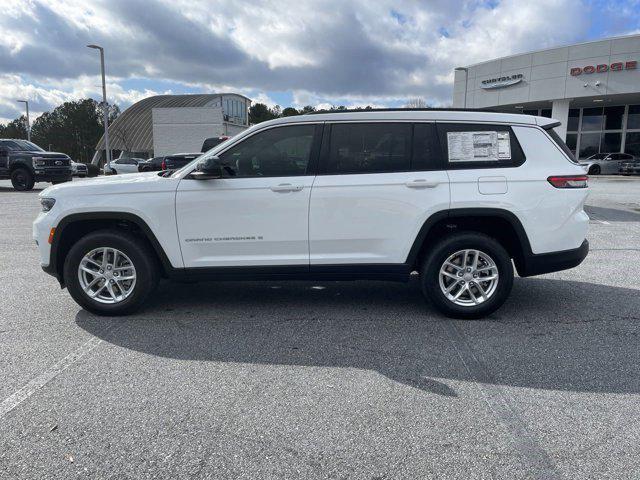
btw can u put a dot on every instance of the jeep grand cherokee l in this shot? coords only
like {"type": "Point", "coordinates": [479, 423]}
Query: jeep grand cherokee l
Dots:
{"type": "Point", "coordinates": [458, 196]}
{"type": "Point", "coordinates": [26, 163]}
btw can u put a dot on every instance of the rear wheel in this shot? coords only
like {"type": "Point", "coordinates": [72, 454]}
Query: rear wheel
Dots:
{"type": "Point", "coordinates": [594, 170]}
{"type": "Point", "coordinates": [110, 272]}
{"type": "Point", "coordinates": [467, 275]}
{"type": "Point", "coordinates": [22, 180]}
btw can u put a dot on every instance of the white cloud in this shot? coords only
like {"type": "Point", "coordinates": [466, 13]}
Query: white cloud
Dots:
{"type": "Point", "coordinates": [354, 53]}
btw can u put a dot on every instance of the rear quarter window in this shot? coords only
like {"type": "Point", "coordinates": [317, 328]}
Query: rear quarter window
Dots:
{"type": "Point", "coordinates": [467, 145]}
{"type": "Point", "coordinates": [561, 144]}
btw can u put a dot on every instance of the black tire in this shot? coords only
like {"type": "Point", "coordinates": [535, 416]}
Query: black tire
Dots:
{"type": "Point", "coordinates": [430, 274]}
{"type": "Point", "coordinates": [22, 179]}
{"type": "Point", "coordinates": [144, 260]}
{"type": "Point", "coordinates": [594, 170]}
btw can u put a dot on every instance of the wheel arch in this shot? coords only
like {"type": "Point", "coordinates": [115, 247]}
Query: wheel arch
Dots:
{"type": "Point", "coordinates": [500, 224]}
{"type": "Point", "coordinates": [74, 226]}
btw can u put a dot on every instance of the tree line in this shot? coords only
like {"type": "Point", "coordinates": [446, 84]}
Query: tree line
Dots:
{"type": "Point", "coordinates": [259, 112]}
{"type": "Point", "coordinates": [73, 128]}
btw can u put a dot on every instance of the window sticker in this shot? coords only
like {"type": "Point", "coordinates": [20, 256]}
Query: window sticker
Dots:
{"type": "Point", "coordinates": [484, 146]}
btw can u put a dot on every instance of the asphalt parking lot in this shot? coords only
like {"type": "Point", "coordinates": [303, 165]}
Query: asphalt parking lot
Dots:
{"type": "Point", "coordinates": [331, 380]}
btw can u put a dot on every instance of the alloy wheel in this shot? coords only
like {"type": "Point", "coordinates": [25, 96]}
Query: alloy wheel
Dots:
{"type": "Point", "coordinates": [107, 275]}
{"type": "Point", "coordinates": [468, 277]}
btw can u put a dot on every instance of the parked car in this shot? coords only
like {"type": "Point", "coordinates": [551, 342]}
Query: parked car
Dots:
{"type": "Point", "coordinates": [630, 166]}
{"type": "Point", "coordinates": [26, 163]}
{"type": "Point", "coordinates": [458, 196]}
{"type": "Point", "coordinates": [209, 143]}
{"type": "Point", "coordinates": [179, 160]}
{"type": "Point", "coordinates": [151, 165]}
{"type": "Point", "coordinates": [604, 163]}
{"type": "Point", "coordinates": [122, 165]}
{"type": "Point", "coordinates": [79, 169]}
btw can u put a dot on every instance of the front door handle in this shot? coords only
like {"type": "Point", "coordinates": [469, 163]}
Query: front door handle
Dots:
{"type": "Point", "coordinates": [421, 183]}
{"type": "Point", "coordinates": [286, 187]}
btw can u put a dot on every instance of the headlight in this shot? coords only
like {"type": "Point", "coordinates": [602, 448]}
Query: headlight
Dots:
{"type": "Point", "coordinates": [38, 162]}
{"type": "Point", "coordinates": [47, 203]}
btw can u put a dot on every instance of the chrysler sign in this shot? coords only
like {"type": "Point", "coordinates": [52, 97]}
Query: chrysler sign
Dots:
{"type": "Point", "coordinates": [501, 82]}
{"type": "Point", "coordinates": [604, 67]}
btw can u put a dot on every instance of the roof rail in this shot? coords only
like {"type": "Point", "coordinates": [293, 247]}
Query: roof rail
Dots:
{"type": "Point", "coordinates": [357, 110]}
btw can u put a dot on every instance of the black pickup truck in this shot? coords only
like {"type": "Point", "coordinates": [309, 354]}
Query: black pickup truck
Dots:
{"type": "Point", "coordinates": [26, 163]}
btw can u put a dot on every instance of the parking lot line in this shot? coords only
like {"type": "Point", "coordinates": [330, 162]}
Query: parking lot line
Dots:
{"type": "Point", "coordinates": [45, 377]}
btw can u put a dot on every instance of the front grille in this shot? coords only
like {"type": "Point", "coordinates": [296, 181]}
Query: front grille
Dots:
{"type": "Point", "coordinates": [53, 161]}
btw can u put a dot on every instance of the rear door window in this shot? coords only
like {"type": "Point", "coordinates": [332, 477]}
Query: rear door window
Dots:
{"type": "Point", "coordinates": [368, 148]}
{"type": "Point", "coordinates": [466, 145]}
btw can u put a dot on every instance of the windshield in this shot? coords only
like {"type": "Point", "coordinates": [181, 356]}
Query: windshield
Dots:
{"type": "Point", "coordinates": [598, 156]}
{"type": "Point", "coordinates": [22, 146]}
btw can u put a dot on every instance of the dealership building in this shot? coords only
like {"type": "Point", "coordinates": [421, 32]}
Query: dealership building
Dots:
{"type": "Point", "coordinates": [592, 88]}
{"type": "Point", "coordinates": [166, 124]}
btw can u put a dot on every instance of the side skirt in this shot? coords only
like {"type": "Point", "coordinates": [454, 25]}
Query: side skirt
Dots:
{"type": "Point", "coordinates": [386, 272]}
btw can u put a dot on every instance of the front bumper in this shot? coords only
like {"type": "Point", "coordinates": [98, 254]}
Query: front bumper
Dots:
{"type": "Point", "coordinates": [53, 174]}
{"type": "Point", "coordinates": [537, 264]}
{"type": "Point", "coordinates": [40, 232]}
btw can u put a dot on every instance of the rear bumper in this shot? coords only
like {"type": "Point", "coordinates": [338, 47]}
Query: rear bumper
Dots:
{"type": "Point", "coordinates": [553, 261]}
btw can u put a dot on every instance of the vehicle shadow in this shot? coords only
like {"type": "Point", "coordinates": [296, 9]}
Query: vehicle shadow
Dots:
{"type": "Point", "coordinates": [551, 334]}
{"type": "Point", "coordinates": [13, 190]}
{"type": "Point", "coordinates": [611, 214]}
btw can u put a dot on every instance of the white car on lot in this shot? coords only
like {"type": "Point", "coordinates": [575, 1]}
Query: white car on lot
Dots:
{"type": "Point", "coordinates": [458, 196]}
{"type": "Point", "coordinates": [605, 163]}
{"type": "Point", "coordinates": [123, 165]}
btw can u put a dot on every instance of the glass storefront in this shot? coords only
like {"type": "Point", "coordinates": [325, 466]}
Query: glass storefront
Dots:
{"type": "Point", "coordinates": [604, 130]}
{"type": "Point", "coordinates": [538, 112]}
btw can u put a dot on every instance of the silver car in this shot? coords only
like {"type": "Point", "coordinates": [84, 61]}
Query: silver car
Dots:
{"type": "Point", "coordinates": [605, 163]}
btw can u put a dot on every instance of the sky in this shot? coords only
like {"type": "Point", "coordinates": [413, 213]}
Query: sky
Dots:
{"type": "Point", "coordinates": [287, 52]}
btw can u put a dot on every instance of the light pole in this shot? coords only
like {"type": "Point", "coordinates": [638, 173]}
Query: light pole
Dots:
{"type": "Point", "coordinates": [26, 102]}
{"type": "Point", "coordinates": [105, 105]}
{"type": "Point", "coordinates": [466, 79]}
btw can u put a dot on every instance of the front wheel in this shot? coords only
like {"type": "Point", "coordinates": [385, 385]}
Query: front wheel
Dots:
{"type": "Point", "coordinates": [22, 179]}
{"type": "Point", "coordinates": [594, 170]}
{"type": "Point", "coordinates": [467, 275]}
{"type": "Point", "coordinates": [109, 272]}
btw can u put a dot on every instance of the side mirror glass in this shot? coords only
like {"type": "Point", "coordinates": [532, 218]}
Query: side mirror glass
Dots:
{"type": "Point", "coordinates": [207, 168]}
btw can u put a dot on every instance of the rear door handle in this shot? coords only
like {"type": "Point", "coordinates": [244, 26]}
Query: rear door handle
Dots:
{"type": "Point", "coordinates": [421, 183]}
{"type": "Point", "coordinates": [286, 187]}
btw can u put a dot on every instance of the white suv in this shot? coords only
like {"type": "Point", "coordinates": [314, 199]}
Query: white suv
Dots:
{"type": "Point", "coordinates": [458, 196]}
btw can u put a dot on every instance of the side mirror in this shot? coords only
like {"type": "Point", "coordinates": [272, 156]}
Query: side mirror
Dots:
{"type": "Point", "coordinates": [208, 168]}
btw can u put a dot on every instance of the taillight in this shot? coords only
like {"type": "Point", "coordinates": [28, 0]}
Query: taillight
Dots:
{"type": "Point", "coordinates": [569, 181]}
{"type": "Point", "coordinates": [163, 165]}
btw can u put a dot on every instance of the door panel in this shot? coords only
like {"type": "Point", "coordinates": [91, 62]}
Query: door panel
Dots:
{"type": "Point", "coordinates": [258, 214]}
{"type": "Point", "coordinates": [369, 204]}
{"type": "Point", "coordinates": [243, 221]}
{"type": "Point", "coordinates": [371, 218]}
